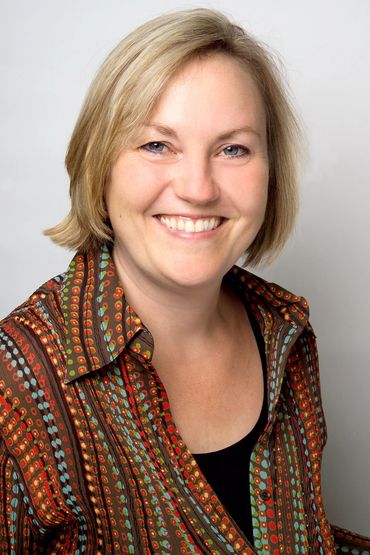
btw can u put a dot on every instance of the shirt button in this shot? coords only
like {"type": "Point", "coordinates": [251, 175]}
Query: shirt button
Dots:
{"type": "Point", "coordinates": [265, 495]}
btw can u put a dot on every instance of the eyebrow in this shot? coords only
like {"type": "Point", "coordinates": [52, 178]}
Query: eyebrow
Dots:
{"type": "Point", "coordinates": [169, 132]}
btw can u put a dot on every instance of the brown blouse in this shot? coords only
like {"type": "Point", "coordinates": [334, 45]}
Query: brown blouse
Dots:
{"type": "Point", "coordinates": [91, 461]}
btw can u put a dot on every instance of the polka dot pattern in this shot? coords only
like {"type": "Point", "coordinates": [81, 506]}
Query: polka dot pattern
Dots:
{"type": "Point", "coordinates": [91, 460]}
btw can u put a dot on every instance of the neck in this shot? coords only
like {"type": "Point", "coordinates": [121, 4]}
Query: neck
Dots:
{"type": "Point", "coordinates": [175, 312]}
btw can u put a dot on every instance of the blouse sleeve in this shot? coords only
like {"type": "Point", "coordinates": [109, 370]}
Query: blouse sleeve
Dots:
{"type": "Point", "coordinates": [345, 541]}
{"type": "Point", "coordinates": [350, 542]}
{"type": "Point", "coordinates": [15, 518]}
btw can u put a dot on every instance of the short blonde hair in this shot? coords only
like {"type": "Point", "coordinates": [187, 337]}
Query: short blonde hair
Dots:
{"type": "Point", "coordinates": [125, 91]}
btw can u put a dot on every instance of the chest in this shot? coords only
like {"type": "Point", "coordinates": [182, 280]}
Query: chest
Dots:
{"type": "Point", "coordinates": [218, 401]}
{"type": "Point", "coordinates": [113, 459]}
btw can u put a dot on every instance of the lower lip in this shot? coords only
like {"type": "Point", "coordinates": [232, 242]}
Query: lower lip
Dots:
{"type": "Point", "coordinates": [192, 235]}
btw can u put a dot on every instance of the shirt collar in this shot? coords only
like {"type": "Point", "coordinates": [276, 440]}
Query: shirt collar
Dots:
{"type": "Point", "coordinates": [270, 298]}
{"type": "Point", "coordinates": [100, 323]}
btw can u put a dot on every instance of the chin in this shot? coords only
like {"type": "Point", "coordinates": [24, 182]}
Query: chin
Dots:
{"type": "Point", "coordinates": [195, 275]}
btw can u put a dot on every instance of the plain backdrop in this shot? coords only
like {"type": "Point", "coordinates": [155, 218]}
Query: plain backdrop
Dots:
{"type": "Point", "coordinates": [49, 52]}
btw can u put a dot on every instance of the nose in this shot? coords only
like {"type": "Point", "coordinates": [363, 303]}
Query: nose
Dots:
{"type": "Point", "coordinates": [194, 181]}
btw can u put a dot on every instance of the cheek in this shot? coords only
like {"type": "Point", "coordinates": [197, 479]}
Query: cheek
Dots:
{"type": "Point", "coordinates": [140, 182]}
{"type": "Point", "coordinates": [262, 194]}
{"type": "Point", "coordinates": [252, 194]}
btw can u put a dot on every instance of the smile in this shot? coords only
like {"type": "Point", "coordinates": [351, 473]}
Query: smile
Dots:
{"type": "Point", "coordinates": [190, 225]}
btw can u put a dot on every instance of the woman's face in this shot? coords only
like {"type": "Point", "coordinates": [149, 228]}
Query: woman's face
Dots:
{"type": "Point", "coordinates": [188, 196]}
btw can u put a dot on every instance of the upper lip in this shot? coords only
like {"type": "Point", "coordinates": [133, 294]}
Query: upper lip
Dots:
{"type": "Point", "coordinates": [190, 216]}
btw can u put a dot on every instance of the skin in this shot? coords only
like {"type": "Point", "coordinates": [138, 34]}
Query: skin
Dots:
{"type": "Point", "coordinates": [191, 173]}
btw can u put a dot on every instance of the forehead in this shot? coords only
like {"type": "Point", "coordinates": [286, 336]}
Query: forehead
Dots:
{"type": "Point", "coordinates": [213, 89]}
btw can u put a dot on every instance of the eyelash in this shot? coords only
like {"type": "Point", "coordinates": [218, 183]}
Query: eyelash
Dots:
{"type": "Point", "coordinates": [160, 153]}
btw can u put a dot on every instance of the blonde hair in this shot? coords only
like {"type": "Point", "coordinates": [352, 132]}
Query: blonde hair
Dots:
{"type": "Point", "coordinates": [125, 91]}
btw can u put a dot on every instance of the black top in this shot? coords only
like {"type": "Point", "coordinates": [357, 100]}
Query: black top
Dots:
{"type": "Point", "coordinates": [227, 470]}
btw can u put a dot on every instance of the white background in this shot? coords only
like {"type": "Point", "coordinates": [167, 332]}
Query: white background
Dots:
{"type": "Point", "coordinates": [49, 52]}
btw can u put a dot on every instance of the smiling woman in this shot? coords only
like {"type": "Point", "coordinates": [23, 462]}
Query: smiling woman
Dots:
{"type": "Point", "coordinates": [122, 102]}
{"type": "Point", "coordinates": [156, 398]}
{"type": "Point", "coordinates": [160, 202]}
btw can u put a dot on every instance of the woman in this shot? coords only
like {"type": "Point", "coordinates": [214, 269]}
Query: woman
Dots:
{"type": "Point", "coordinates": [157, 398]}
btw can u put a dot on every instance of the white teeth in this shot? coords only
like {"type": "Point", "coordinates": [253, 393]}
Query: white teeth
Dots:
{"type": "Point", "coordinates": [199, 225]}
{"type": "Point", "coordinates": [190, 226]}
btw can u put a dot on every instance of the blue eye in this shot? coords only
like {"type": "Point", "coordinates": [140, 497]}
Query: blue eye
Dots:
{"type": "Point", "coordinates": [155, 146]}
{"type": "Point", "coordinates": [235, 151]}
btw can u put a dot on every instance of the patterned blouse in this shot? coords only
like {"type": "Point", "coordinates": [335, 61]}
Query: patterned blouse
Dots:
{"type": "Point", "coordinates": [91, 461]}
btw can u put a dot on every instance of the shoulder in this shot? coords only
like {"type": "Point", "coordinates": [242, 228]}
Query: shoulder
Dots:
{"type": "Point", "coordinates": [43, 306]}
{"type": "Point", "coordinates": [270, 296]}
{"type": "Point", "coordinates": [31, 331]}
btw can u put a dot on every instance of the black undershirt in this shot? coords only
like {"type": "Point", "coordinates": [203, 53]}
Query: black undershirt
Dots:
{"type": "Point", "coordinates": [227, 470]}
